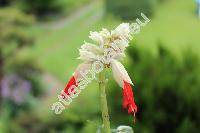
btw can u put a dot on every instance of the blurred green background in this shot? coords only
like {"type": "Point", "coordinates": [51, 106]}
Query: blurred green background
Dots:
{"type": "Point", "coordinates": [39, 41]}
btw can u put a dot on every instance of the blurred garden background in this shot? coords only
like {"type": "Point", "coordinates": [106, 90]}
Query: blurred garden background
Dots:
{"type": "Point", "coordinates": [39, 41]}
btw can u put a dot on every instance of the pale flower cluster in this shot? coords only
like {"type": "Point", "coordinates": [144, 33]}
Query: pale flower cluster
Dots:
{"type": "Point", "coordinates": [108, 44]}
{"type": "Point", "coordinates": [108, 48]}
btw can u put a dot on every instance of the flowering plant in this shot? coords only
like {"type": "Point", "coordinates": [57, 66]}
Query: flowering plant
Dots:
{"type": "Point", "coordinates": [106, 51]}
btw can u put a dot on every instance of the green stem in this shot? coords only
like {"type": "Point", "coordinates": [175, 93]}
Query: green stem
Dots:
{"type": "Point", "coordinates": [104, 107]}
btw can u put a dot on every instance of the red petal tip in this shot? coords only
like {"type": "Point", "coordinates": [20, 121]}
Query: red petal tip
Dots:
{"type": "Point", "coordinates": [128, 99]}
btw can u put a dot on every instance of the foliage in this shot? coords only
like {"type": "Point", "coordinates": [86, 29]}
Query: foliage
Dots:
{"type": "Point", "coordinates": [166, 89]}
{"type": "Point", "coordinates": [18, 76]}
{"type": "Point", "coordinates": [5, 2]}
{"type": "Point", "coordinates": [13, 36]}
{"type": "Point", "coordinates": [42, 7]}
{"type": "Point", "coordinates": [130, 9]}
{"type": "Point", "coordinates": [13, 24]}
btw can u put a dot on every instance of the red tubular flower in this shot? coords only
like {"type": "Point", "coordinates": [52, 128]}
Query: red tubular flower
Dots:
{"type": "Point", "coordinates": [71, 82]}
{"type": "Point", "coordinates": [77, 75]}
{"type": "Point", "coordinates": [128, 99]}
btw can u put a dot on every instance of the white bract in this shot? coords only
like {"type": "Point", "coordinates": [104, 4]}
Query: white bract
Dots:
{"type": "Point", "coordinates": [109, 47]}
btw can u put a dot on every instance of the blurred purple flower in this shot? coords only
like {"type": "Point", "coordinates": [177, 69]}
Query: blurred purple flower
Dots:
{"type": "Point", "coordinates": [15, 88]}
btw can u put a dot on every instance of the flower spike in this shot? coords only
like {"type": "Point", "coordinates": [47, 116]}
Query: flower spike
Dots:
{"type": "Point", "coordinates": [108, 48]}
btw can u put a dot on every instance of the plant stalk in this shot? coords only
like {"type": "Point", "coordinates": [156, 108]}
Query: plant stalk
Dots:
{"type": "Point", "coordinates": [103, 102]}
